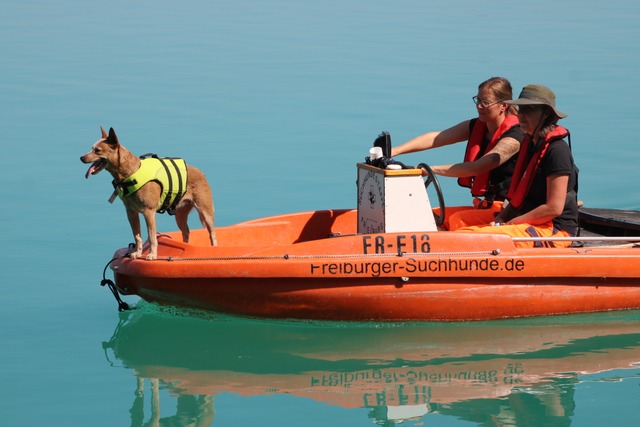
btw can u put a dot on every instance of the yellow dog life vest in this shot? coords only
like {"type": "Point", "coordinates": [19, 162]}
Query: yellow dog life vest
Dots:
{"type": "Point", "coordinates": [170, 173]}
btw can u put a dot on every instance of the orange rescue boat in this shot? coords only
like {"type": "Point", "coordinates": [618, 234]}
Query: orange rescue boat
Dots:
{"type": "Point", "coordinates": [388, 260]}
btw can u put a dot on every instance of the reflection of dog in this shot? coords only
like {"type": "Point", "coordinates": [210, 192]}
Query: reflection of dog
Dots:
{"type": "Point", "coordinates": [191, 410]}
{"type": "Point", "coordinates": [152, 196]}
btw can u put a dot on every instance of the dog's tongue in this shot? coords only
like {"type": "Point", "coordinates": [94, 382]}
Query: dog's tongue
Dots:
{"type": "Point", "coordinates": [91, 169]}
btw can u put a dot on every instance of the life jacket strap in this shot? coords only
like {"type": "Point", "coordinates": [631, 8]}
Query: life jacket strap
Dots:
{"type": "Point", "coordinates": [168, 163]}
{"type": "Point", "coordinates": [167, 205]}
{"type": "Point", "coordinates": [124, 186]}
{"type": "Point", "coordinates": [545, 244]}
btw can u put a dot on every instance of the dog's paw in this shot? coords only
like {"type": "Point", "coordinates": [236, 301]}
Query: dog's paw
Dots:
{"type": "Point", "coordinates": [151, 257]}
{"type": "Point", "coordinates": [135, 255]}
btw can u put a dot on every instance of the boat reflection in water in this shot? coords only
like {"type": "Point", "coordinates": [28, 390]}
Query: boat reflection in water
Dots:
{"type": "Point", "coordinates": [490, 373]}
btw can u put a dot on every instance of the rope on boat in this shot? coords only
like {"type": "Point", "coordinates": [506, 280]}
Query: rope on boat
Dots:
{"type": "Point", "coordinates": [288, 256]}
{"type": "Point", "coordinates": [578, 239]}
{"type": "Point", "coordinates": [122, 306]}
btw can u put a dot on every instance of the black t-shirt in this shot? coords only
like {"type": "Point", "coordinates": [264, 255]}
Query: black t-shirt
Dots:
{"type": "Point", "coordinates": [558, 160]}
{"type": "Point", "coordinates": [500, 177]}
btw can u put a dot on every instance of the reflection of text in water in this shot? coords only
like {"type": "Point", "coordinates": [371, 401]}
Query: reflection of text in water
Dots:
{"type": "Point", "coordinates": [414, 386]}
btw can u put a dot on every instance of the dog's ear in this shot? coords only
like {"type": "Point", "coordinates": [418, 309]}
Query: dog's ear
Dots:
{"type": "Point", "coordinates": [112, 138]}
{"type": "Point", "coordinates": [104, 133]}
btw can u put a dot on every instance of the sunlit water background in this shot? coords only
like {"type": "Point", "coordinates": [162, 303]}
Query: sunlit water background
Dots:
{"type": "Point", "coordinates": [276, 101]}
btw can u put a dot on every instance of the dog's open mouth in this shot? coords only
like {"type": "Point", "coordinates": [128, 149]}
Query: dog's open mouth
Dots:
{"type": "Point", "coordinates": [96, 167]}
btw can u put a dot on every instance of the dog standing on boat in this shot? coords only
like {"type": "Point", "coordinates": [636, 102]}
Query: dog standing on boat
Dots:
{"type": "Point", "coordinates": [107, 153]}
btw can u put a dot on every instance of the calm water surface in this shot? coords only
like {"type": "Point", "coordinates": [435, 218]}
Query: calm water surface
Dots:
{"type": "Point", "coordinates": [276, 102]}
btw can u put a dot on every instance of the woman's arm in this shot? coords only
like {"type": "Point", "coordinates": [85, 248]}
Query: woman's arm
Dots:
{"type": "Point", "coordinates": [457, 133]}
{"type": "Point", "coordinates": [556, 197]}
{"type": "Point", "coordinates": [503, 151]}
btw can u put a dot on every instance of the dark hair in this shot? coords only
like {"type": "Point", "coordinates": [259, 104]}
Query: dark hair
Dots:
{"type": "Point", "coordinates": [501, 89]}
{"type": "Point", "coordinates": [549, 121]}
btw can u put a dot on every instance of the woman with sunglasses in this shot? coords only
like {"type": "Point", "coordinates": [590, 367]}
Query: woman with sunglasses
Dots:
{"type": "Point", "coordinates": [543, 200]}
{"type": "Point", "coordinates": [493, 139]}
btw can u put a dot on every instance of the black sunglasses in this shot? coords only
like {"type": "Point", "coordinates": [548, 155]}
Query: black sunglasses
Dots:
{"type": "Point", "coordinates": [526, 109]}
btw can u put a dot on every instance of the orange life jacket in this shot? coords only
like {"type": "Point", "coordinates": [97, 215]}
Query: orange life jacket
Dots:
{"type": "Point", "coordinates": [478, 184]}
{"type": "Point", "coordinates": [525, 170]}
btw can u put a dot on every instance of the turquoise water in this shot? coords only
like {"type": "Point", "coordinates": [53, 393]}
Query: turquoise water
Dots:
{"type": "Point", "coordinates": [276, 102]}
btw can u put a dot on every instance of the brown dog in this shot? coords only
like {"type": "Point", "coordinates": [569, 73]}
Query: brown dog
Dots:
{"type": "Point", "coordinates": [107, 153]}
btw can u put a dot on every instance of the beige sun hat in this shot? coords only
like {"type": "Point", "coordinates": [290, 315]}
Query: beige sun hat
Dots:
{"type": "Point", "coordinates": [537, 95]}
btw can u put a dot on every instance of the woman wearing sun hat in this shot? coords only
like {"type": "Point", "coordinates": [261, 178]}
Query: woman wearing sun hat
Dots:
{"type": "Point", "coordinates": [543, 192]}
